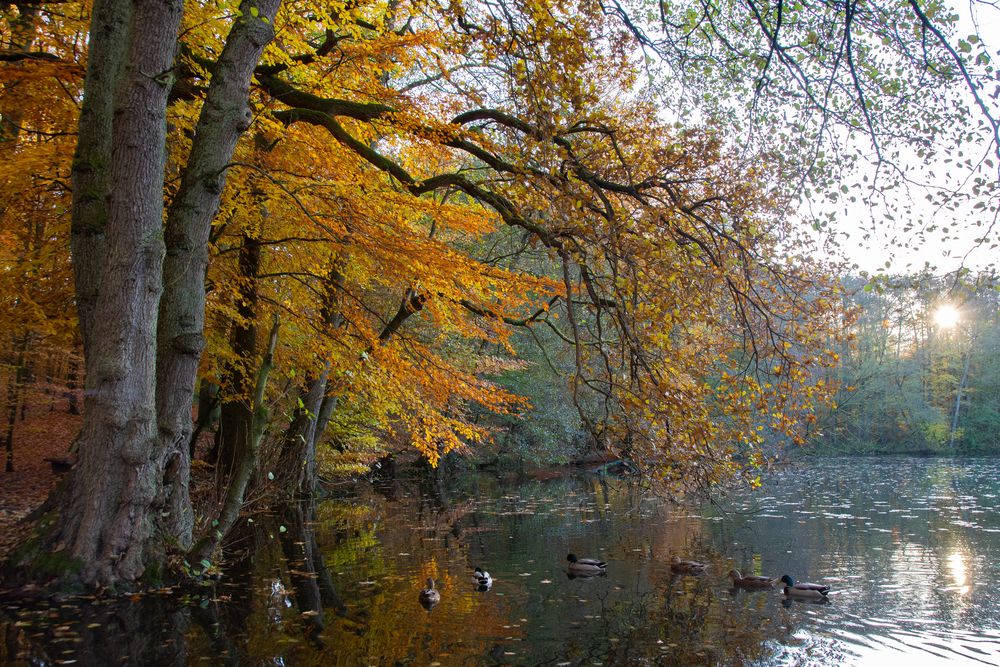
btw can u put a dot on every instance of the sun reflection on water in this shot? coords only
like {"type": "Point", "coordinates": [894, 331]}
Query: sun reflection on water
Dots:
{"type": "Point", "coordinates": [959, 573]}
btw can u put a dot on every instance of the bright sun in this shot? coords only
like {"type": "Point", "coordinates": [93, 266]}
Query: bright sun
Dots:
{"type": "Point", "coordinates": [946, 316]}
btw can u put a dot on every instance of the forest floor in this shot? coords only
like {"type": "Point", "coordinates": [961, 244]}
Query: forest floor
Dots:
{"type": "Point", "coordinates": [47, 431]}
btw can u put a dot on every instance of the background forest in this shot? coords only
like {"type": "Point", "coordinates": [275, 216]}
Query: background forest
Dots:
{"type": "Point", "coordinates": [921, 376]}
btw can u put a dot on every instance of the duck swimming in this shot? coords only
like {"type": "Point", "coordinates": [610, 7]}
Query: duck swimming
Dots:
{"type": "Point", "coordinates": [804, 590]}
{"type": "Point", "coordinates": [430, 595]}
{"type": "Point", "coordinates": [482, 579]}
{"type": "Point", "coordinates": [750, 581]}
{"type": "Point", "coordinates": [686, 566]}
{"type": "Point", "coordinates": [586, 567]}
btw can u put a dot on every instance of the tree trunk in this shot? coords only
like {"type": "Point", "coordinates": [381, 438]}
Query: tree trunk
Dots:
{"type": "Point", "coordinates": [15, 398]}
{"type": "Point", "coordinates": [208, 403]}
{"type": "Point", "coordinates": [245, 461]}
{"type": "Point", "coordinates": [22, 37]}
{"type": "Point", "coordinates": [236, 419]}
{"type": "Point", "coordinates": [326, 411]}
{"type": "Point", "coordinates": [224, 117]}
{"type": "Point", "coordinates": [108, 525]}
{"type": "Point", "coordinates": [71, 380]}
{"type": "Point", "coordinates": [297, 464]}
{"type": "Point", "coordinates": [91, 175]}
{"type": "Point", "coordinates": [128, 497]}
{"type": "Point", "coordinates": [297, 461]}
{"type": "Point", "coordinates": [958, 398]}
{"type": "Point", "coordinates": [8, 439]}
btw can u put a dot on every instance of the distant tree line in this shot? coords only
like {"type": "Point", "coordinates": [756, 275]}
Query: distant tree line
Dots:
{"type": "Point", "coordinates": [912, 382]}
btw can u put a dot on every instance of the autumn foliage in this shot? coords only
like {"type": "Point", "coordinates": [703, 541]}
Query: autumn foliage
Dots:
{"type": "Point", "coordinates": [394, 150]}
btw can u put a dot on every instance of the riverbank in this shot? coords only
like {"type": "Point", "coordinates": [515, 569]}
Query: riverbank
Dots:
{"type": "Point", "coordinates": [46, 432]}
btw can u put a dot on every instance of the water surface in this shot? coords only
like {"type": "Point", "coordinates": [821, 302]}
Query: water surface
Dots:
{"type": "Point", "coordinates": [911, 548]}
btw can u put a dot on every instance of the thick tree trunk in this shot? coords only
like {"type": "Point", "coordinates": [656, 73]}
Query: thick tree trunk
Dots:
{"type": "Point", "coordinates": [224, 117]}
{"type": "Point", "coordinates": [108, 525]}
{"type": "Point", "coordinates": [92, 160]}
{"type": "Point", "coordinates": [128, 495]}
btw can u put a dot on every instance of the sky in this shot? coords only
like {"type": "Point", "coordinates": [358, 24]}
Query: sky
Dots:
{"type": "Point", "coordinates": [945, 240]}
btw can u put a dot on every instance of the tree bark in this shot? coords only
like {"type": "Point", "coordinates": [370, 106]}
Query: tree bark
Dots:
{"type": "Point", "coordinates": [224, 117]}
{"type": "Point", "coordinates": [127, 498]}
{"type": "Point", "coordinates": [108, 525]}
{"type": "Point", "coordinates": [91, 176]}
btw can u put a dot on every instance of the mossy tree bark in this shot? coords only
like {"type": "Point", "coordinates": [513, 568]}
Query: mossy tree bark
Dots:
{"type": "Point", "coordinates": [224, 117]}
{"type": "Point", "coordinates": [109, 30]}
{"type": "Point", "coordinates": [108, 526]}
{"type": "Point", "coordinates": [127, 500]}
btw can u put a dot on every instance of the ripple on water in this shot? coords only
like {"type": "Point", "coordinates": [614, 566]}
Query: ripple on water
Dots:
{"type": "Point", "coordinates": [911, 577]}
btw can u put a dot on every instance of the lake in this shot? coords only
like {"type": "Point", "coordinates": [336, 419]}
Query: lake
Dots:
{"type": "Point", "coordinates": [911, 548]}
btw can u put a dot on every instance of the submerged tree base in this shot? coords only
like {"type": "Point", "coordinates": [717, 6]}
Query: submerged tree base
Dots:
{"type": "Point", "coordinates": [41, 567]}
{"type": "Point", "coordinates": [37, 568]}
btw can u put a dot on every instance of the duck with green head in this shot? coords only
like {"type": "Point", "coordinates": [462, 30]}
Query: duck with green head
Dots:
{"type": "Point", "coordinates": [805, 590]}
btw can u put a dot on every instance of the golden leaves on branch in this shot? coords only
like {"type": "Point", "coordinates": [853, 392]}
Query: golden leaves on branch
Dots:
{"type": "Point", "coordinates": [706, 342]}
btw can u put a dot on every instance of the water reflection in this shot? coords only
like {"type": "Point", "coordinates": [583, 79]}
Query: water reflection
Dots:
{"type": "Point", "coordinates": [956, 565]}
{"type": "Point", "coordinates": [910, 548]}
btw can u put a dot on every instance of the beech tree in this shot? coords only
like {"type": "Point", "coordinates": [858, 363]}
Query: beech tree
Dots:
{"type": "Point", "coordinates": [127, 497]}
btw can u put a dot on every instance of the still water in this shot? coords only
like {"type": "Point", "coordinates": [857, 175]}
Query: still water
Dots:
{"type": "Point", "coordinates": [911, 548]}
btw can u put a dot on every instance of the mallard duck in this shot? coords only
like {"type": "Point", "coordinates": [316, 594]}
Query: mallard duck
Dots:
{"type": "Point", "coordinates": [804, 590]}
{"type": "Point", "coordinates": [686, 566]}
{"type": "Point", "coordinates": [586, 567]}
{"type": "Point", "coordinates": [482, 579]}
{"type": "Point", "coordinates": [751, 581]}
{"type": "Point", "coordinates": [430, 595]}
